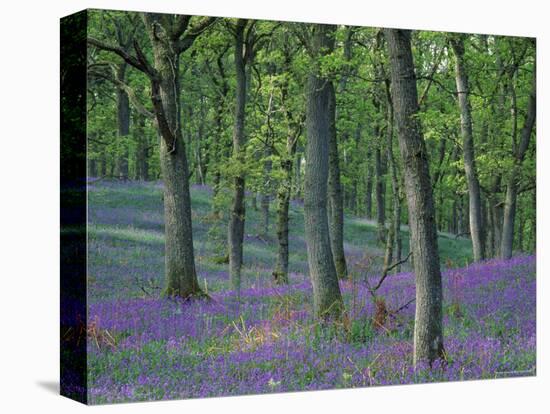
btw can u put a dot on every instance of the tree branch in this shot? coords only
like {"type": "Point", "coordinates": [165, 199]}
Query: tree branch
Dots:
{"type": "Point", "coordinates": [149, 70]}
{"type": "Point", "coordinates": [125, 87]}
{"type": "Point", "coordinates": [181, 25]}
{"type": "Point", "coordinates": [392, 313]}
{"type": "Point", "coordinates": [387, 271]}
{"type": "Point", "coordinates": [192, 33]}
{"type": "Point", "coordinates": [162, 122]}
{"type": "Point", "coordinates": [97, 141]}
{"type": "Point", "coordinates": [527, 188]}
{"type": "Point", "coordinates": [430, 80]}
{"type": "Point", "coordinates": [437, 82]}
{"type": "Point", "coordinates": [131, 60]}
{"type": "Point", "coordinates": [399, 263]}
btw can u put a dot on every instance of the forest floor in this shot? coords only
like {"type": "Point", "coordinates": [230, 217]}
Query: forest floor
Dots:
{"type": "Point", "coordinates": [142, 347]}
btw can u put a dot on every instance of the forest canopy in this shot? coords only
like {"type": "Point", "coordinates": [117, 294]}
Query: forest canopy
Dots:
{"type": "Point", "coordinates": [123, 133]}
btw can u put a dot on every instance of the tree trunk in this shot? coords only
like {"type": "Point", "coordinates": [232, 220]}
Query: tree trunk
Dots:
{"type": "Point", "coordinates": [465, 215]}
{"type": "Point", "coordinates": [380, 199]}
{"type": "Point", "coordinates": [438, 177]}
{"type": "Point", "coordinates": [495, 213]}
{"type": "Point", "coordinates": [123, 122]}
{"type": "Point", "coordinates": [219, 146]}
{"type": "Point", "coordinates": [490, 237]}
{"type": "Point", "coordinates": [284, 192]}
{"type": "Point", "coordinates": [520, 229]}
{"type": "Point", "coordinates": [298, 176]}
{"type": "Point", "coordinates": [142, 150]}
{"type": "Point", "coordinates": [181, 277]}
{"type": "Point", "coordinates": [180, 272]}
{"type": "Point", "coordinates": [327, 299]}
{"type": "Point", "coordinates": [237, 216]}
{"type": "Point", "coordinates": [498, 218]}
{"type": "Point", "coordinates": [512, 185]}
{"type": "Point", "coordinates": [280, 274]}
{"type": "Point", "coordinates": [201, 149]}
{"type": "Point", "coordinates": [388, 252]}
{"type": "Point", "coordinates": [353, 205]}
{"type": "Point", "coordinates": [453, 225]}
{"type": "Point", "coordinates": [394, 235]}
{"type": "Point", "coordinates": [368, 189]}
{"type": "Point", "coordinates": [102, 165]}
{"type": "Point", "coordinates": [428, 328]}
{"type": "Point", "coordinates": [265, 193]}
{"type": "Point", "coordinates": [474, 192]}
{"type": "Point", "coordinates": [268, 165]}
{"type": "Point", "coordinates": [335, 201]}
{"type": "Point", "coordinates": [92, 168]}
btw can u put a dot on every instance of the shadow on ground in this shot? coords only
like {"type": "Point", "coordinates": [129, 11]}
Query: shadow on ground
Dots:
{"type": "Point", "coordinates": [50, 386]}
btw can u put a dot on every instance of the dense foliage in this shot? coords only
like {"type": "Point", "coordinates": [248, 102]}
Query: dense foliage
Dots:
{"type": "Point", "coordinates": [500, 71]}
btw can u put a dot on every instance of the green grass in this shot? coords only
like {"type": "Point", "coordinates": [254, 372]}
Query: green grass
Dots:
{"type": "Point", "coordinates": [124, 234]}
{"type": "Point", "coordinates": [128, 219]}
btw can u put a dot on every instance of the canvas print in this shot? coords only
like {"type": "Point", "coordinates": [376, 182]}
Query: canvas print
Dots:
{"type": "Point", "coordinates": [255, 206]}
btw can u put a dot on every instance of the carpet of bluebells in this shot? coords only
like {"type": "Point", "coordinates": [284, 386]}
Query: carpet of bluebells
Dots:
{"type": "Point", "coordinates": [143, 347]}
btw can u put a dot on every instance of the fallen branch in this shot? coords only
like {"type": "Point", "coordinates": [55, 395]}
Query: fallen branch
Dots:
{"type": "Point", "coordinates": [385, 274]}
{"type": "Point", "coordinates": [393, 314]}
{"type": "Point", "coordinates": [399, 263]}
{"type": "Point", "coordinates": [402, 307]}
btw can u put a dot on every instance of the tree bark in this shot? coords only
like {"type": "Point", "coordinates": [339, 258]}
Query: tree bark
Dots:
{"type": "Point", "coordinates": [368, 189]}
{"type": "Point", "coordinates": [180, 272]}
{"type": "Point", "coordinates": [266, 197]}
{"type": "Point", "coordinates": [298, 175]}
{"type": "Point", "coordinates": [474, 191]}
{"type": "Point", "coordinates": [512, 184]}
{"type": "Point", "coordinates": [102, 165]}
{"type": "Point", "coordinates": [284, 191]}
{"type": "Point", "coordinates": [201, 148]}
{"type": "Point", "coordinates": [327, 298]}
{"type": "Point", "coordinates": [335, 201]}
{"type": "Point", "coordinates": [521, 232]}
{"type": "Point", "coordinates": [237, 215]}
{"type": "Point", "coordinates": [280, 274]}
{"type": "Point", "coordinates": [335, 190]}
{"type": "Point", "coordinates": [380, 199]}
{"type": "Point", "coordinates": [394, 234]}
{"type": "Point", "coordinates": [453, 225]}
{"type": "Point", "coordinates": [267, 167]}
{"type": "Point", "coordinates": [220, 148]}
{"type": "Point", "coordinates": [491, 244]}
{"type": "Point", "coordinates": [92, 168]}
{"type": "Point", "coordinates": [428, 328]}
{"type": "Point", "coordinates": [495, 217]}
{"type": "Point", "coordinates": [123, 123]}
{"type": "Point", "coordinates": [142, 150]}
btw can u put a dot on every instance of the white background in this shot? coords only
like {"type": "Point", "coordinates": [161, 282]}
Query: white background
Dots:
{"type": "Point", "coordinates": [29, 206]}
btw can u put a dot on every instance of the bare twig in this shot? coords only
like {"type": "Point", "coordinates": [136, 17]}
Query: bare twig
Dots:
{"type": "Point", "coordinates": [385, 274]}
